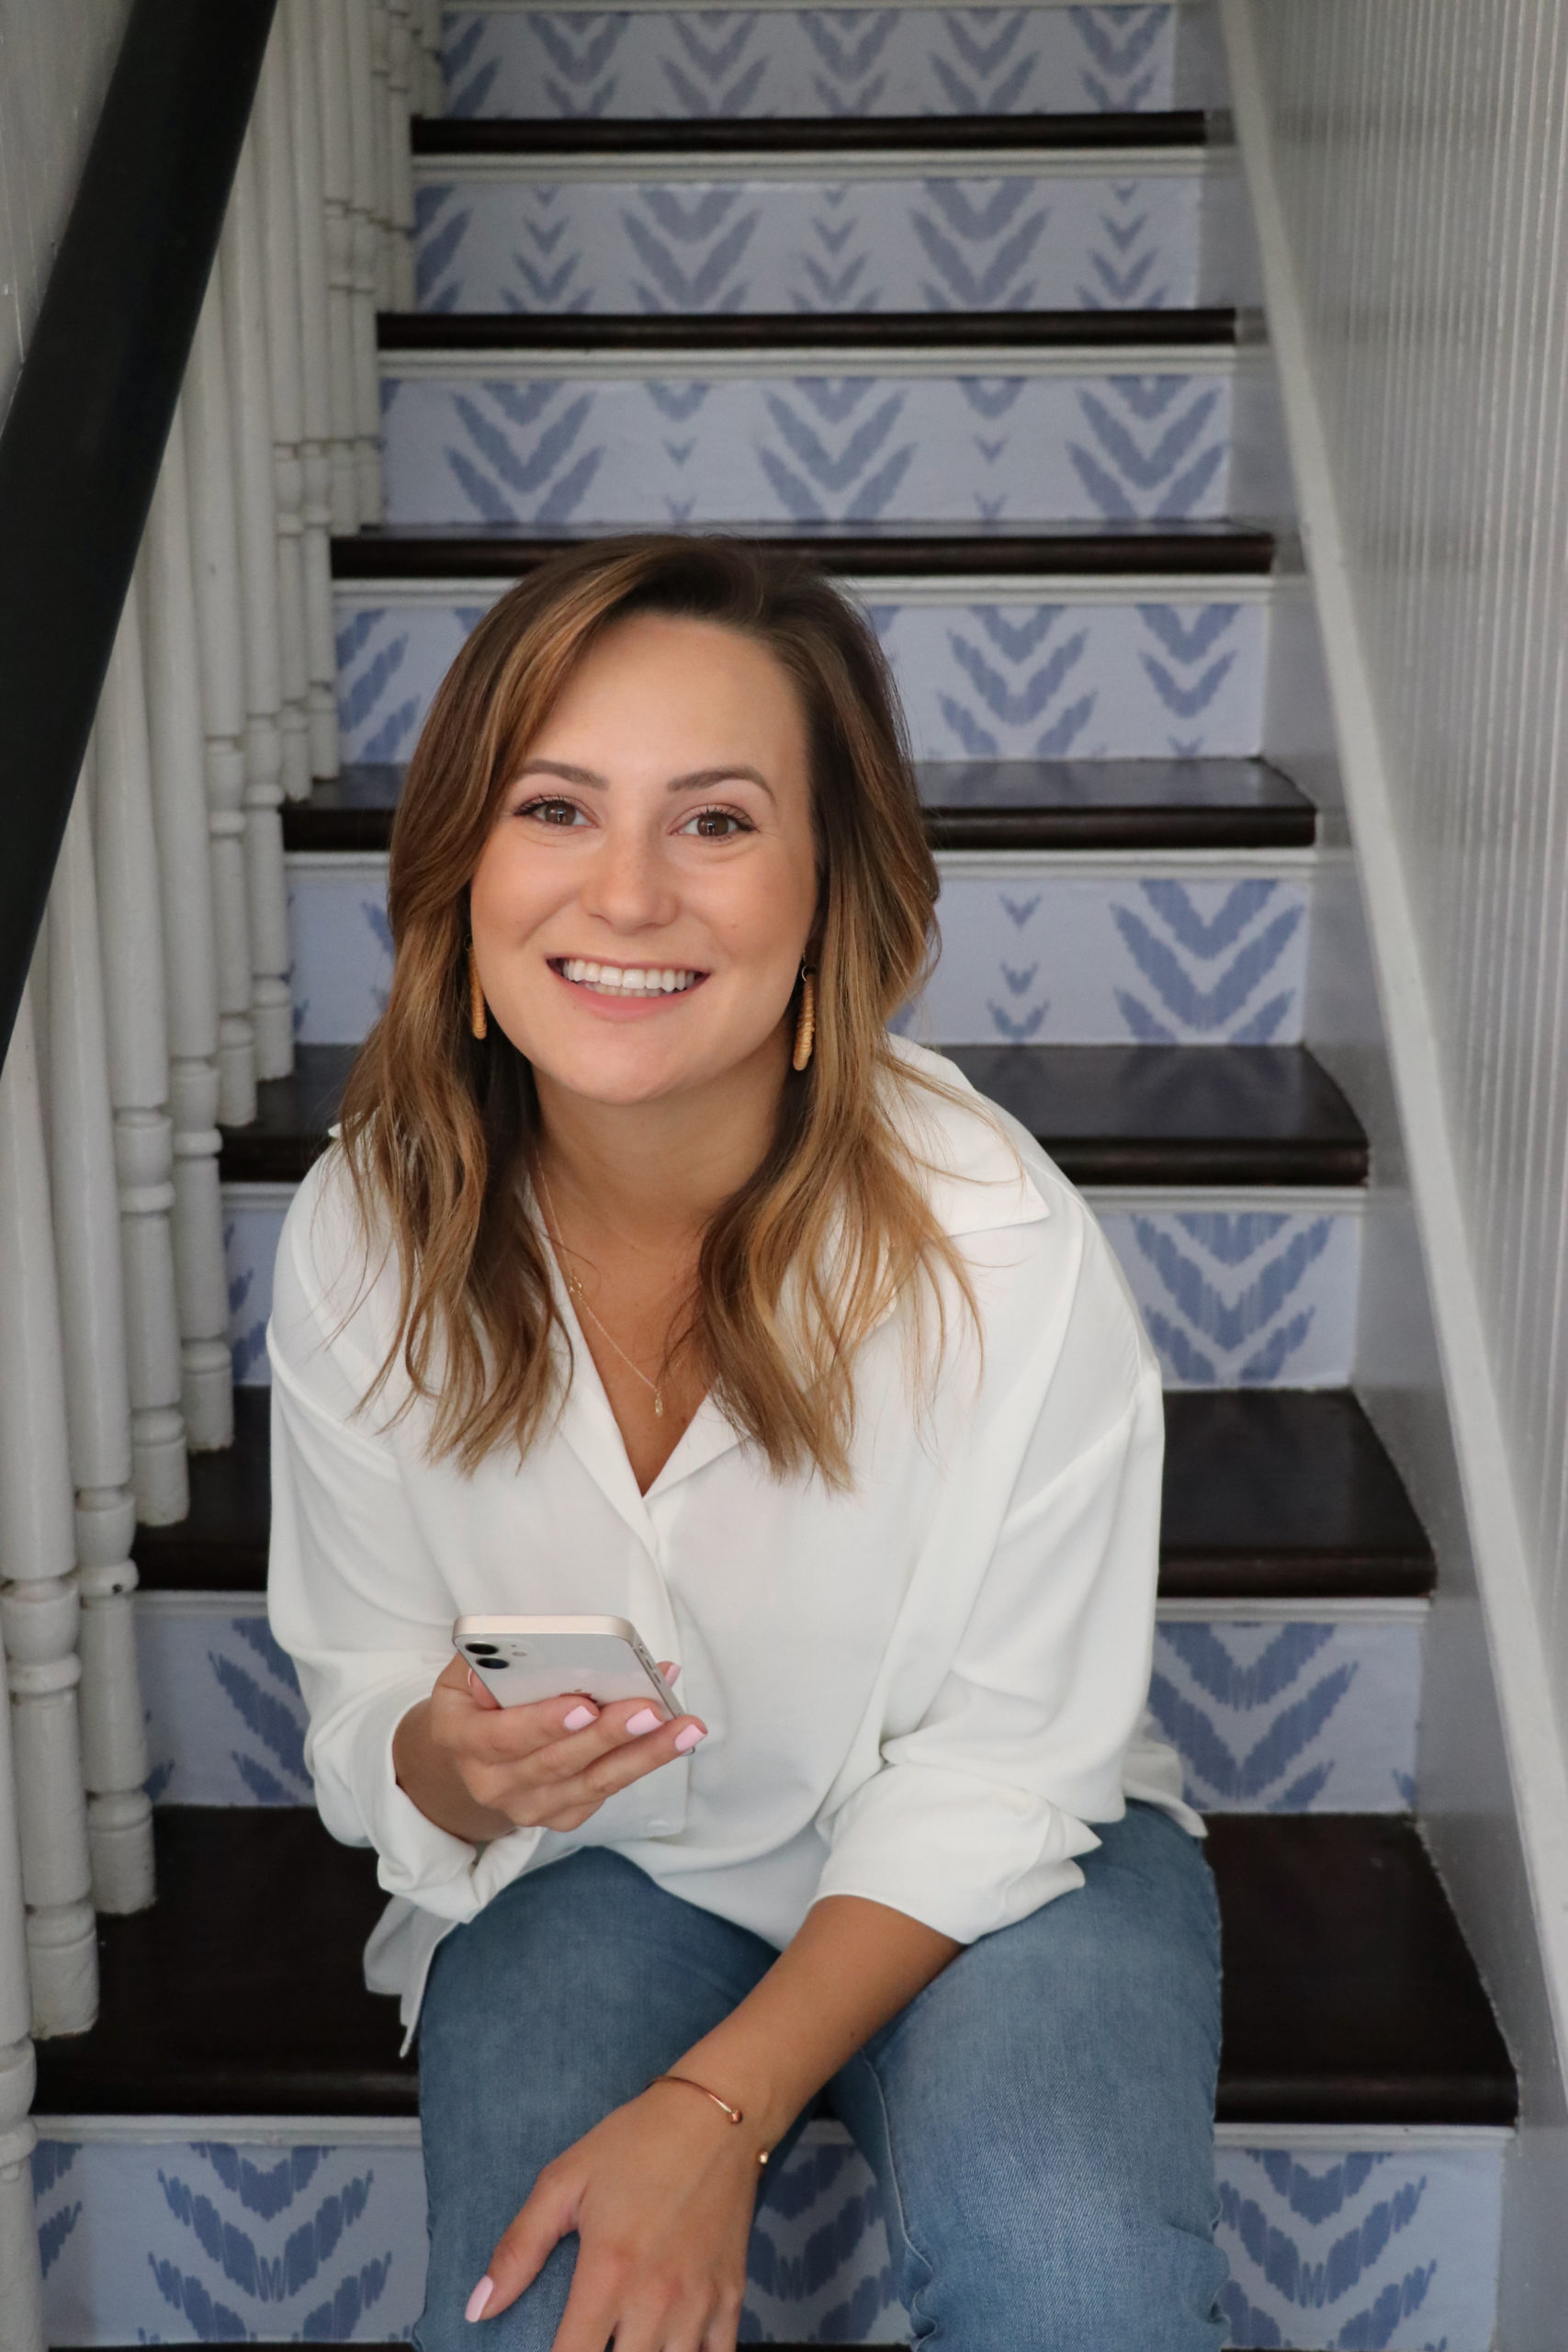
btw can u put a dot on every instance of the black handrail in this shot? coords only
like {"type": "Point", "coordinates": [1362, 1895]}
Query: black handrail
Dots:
{"type": "Point", "coordinates": [82, 441]}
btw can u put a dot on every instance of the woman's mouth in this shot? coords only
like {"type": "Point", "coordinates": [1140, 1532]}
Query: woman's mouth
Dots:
{"type": "Point", "coordinates": [626, 979]}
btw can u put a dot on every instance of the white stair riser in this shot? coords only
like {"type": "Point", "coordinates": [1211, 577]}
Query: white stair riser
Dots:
{"type": "Point", "coordinates": [1254, 1289]}
{"type": "Point", "coordinates": [1306, 1713]}
{"type": "Point", "coordinates": [1070, 951]}
{"type": "Point", "coordinates": [1357, 2238]}
{"type": "Point", "coordinates": [552, 63]}
{"type": "Point", "coordinates": [1041, 672]}
{"type": "Point", "coordinates": [1034, 240]}
{"type": "Point", "coordinates": [500, 443]}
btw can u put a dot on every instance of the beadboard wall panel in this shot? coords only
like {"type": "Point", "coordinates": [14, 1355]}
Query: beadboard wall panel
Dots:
{"type": "Point", "coordinates": [56, 57]}
{"type": "Point", "coordinates": [1422, 158]}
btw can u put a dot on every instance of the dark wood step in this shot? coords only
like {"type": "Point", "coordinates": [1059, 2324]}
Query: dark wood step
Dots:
{"type": "Point", "coordinates": [1350, 1996]}
{"type": "Point", "coordinates": [453, 137]}
{"type": "Point", "coordinates": [1175, 551]}
{"type": "Point", "coordinates": [970, 804]}
{"type": "Point", "coordinates": [1270, 1494]}
{"type": "Point", "coordinates": [821, 333]}
{"type": "Point", "coordinates": [1108, 1115]}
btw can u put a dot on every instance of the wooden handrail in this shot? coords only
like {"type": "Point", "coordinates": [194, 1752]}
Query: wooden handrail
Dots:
{"type": "Point", "coordinates": [85, 435]}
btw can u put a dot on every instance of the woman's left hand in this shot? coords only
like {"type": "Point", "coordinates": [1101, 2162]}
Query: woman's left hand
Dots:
{"type": "Point", "coordinates": [661, 2196]}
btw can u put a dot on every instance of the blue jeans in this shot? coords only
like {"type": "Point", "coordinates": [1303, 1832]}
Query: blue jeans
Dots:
{"type": "Point", "coordinates": [1040, 2119]}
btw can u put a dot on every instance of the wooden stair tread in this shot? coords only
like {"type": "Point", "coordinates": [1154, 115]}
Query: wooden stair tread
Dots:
{"type": "Point", "coordinates": [971, 805]}
{"type": "Point", "coordinates": [455, 137]}
{"type": "Point", "coordinates": [1108, 1115]}
{"type": "Point", "coordinates": [1270, 1494]}
{"type": "Point", "coordinates": [1175, 550]}
{"type": "Point", "coordinates": [1350, 1996]}
{"type": "Point", "coordinates": [724, 334]}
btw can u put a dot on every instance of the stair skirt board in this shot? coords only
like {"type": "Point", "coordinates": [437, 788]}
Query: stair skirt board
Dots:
{"type": "Point", "coordinates": [1304, 1707]}
{"type": "Point", "coordinates": [639, 61]}
{"type": "Point", "coordinates": [961, 233]}
{"type": "Point", "coordinates": [1128, 669]}
{"type": "Point", "coordinates": [501, 439]}
{"type": "Point", "coordinates": [1063, 948]}
{"type": "Point", "coordinates": [177, 2230]}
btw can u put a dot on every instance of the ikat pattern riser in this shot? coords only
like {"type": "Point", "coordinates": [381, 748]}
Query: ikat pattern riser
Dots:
{"type": "Point", "coordinates": [1255, 1289]}
{"type": "Point", "coordinates": [803, 442]}
{"type": "Point", "coordinates": [1360, 2238]}
{"type": "Point", "coordinates": [561, 63]}
{"type": "Point", "coordinates": [1305, 1712]}
{"type": "Point", "coordinates": [1138, 670]}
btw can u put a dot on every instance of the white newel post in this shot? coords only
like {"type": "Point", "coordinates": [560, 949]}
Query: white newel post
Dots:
{"type": "Point", "coordinates": [21, 2272]}
{"type": "Point", "coordinates": [38, 1603]}
{"type": "Point", "coordinates": [337, 188]}
{"type": "Point", "coordinates": [399, 106]}
{"type": "Point", "coordinates": [381, 128]}
{"type": "Point", "coordinates": [249, 373]}
{"type": "Point", "coordinates": [185, 847]}
{"type": "Point", "coordinates": [296, 23]}
{"type": "Point", "coordinates": [280, 270]}
{"type": "Point", "coordinates": [130, 932]}
{"type": "Point", "coordinates": [97, 1396]}
{"type": "Point", "coordinates": [215, 553]}
{"type": "Point", "coordinates": [362, 111]}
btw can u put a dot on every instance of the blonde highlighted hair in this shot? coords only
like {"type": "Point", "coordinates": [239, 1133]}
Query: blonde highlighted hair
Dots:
{"type": "Point", "coordinates": [439, 1129]}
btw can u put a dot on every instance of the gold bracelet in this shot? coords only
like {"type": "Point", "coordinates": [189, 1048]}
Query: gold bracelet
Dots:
{"type": "Point", "coordinates": [734, 2113]}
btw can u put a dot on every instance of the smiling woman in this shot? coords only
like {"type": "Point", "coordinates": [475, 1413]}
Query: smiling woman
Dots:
{"type": "Point", "coordinates": [652, 1280]}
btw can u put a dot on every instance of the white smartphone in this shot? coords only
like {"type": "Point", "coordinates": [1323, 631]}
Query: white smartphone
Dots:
{"type": "Point", "coordinates": [522, 1659]}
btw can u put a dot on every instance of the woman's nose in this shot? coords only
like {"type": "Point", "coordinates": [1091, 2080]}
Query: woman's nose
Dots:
{"type": "Point", "coordinates": [628, 884]}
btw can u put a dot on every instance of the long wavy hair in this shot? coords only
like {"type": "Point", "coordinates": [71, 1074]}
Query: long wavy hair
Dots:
{"type": "Point", "coordinates": [440, 1130]}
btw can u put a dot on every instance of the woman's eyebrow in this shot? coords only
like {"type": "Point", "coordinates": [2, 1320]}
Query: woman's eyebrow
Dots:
{"type": "Point", "coordinates": [700, 779]}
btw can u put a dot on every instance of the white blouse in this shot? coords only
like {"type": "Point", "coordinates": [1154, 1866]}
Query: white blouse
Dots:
{"type": "Point", "coordinates": [921, 1691]}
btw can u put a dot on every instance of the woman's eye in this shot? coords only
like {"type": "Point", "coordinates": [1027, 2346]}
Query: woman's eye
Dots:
{"type": "Point", "coordinates": [715, 824]}
{"type": "Point", "coordinates": [551, 812]}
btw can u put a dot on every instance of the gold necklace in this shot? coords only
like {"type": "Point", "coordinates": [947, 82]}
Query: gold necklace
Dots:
{"type": "Point", "coordinates": [575, 1287]}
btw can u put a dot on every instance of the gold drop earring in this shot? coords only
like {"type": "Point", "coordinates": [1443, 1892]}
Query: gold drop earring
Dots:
{"type": "Point", "coordinates": [806, 1022]}
{"type": "Point", "coordinates": [478, 1019]}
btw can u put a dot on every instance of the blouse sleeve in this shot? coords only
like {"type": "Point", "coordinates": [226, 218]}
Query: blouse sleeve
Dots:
{"type": "Point", "coordinates": [352, 1595]}
{"type": "Point", "coordinates": [978, 1807]}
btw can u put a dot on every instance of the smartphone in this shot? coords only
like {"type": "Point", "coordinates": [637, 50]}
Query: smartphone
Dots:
{"type": "Point", "coordinates": [522, 1659]}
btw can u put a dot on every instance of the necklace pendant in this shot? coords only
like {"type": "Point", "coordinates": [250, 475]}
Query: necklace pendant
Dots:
{"type": "Point", "coordinates": [658, 1405]}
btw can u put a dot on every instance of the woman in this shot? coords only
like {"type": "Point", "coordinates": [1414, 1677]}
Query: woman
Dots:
{"type": "Point", "coordinates": [651, 1277]}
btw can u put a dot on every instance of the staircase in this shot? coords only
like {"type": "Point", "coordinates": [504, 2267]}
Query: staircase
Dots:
{"type": "Point", "coordinates": [957, 299]}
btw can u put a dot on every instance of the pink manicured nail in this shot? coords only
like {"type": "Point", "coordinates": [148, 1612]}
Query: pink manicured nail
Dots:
{"type": "Point", "coordinates": [479, 2298]}
{"type": "Point", "coordinates": [671, 1674]}
{"type": "Point", "coordinates": [644, 1720]}
{"type": "Point", "coordinates": [580, 1719]}
{"type": "Point", "coordinates": [686, 1740]}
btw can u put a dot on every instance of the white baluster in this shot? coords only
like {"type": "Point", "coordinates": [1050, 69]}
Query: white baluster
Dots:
{"type": "Point", "coordinates": [21, 2272]}
{"type": "Point", "coordinates": [381, 130]}
{"type": "Point", "coordinates": [297, 23]}
{"type": "Point", "coordinates": [337, 186]}
{"type": "Point", "coordinates": [215, 550]}
{"type": "Point", "coordinates": [399, 105]}
{"type": "Point", "coordinates": [186, 874]}
{"type": "Point", "coordinates": [98, 1398]}
{"type": "Point", "coordinates": [363, 110]}
{"type": "Point", "coordinates": [131, 931]}
{"type": "Point", "coordinates": [250, 408]}
{"type": "Point", "coordinates": [39, 1604]}
{"type": "Point", "coordinates": [281, 265]}
{"type": "Point", "coordinates": [430, 14]}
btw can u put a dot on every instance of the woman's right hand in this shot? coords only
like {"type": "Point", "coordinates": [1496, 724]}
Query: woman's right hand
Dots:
{"type": "Point", "coordinates": [479, 1769]}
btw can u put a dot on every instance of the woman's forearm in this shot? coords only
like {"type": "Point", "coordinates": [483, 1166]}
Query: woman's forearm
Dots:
{"type": "Point", "coordinates": [852, 1965]}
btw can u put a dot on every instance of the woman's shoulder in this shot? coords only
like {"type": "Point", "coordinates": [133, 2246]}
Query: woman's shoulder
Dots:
{"type": "Point", "coordinates": [335, 1259]}
{"type": "Point", "coordinates": [981, 1166]}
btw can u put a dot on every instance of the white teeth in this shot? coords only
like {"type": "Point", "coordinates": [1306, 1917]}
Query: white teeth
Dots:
{"type": "Point", "coordinates": [633, 980]}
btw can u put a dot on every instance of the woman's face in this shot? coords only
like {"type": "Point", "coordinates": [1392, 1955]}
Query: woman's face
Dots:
{"type": "Point", "coordinates": [642, 906]}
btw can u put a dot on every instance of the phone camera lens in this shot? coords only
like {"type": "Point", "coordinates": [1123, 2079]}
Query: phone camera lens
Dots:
{"type": "Point", "coordinates": [483, 1649]}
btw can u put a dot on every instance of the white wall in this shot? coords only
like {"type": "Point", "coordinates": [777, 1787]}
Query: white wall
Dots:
{"type": "Point", "coordinates": [1409, 168]}
{"type": "Point", "coordinates": [56, 57]}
